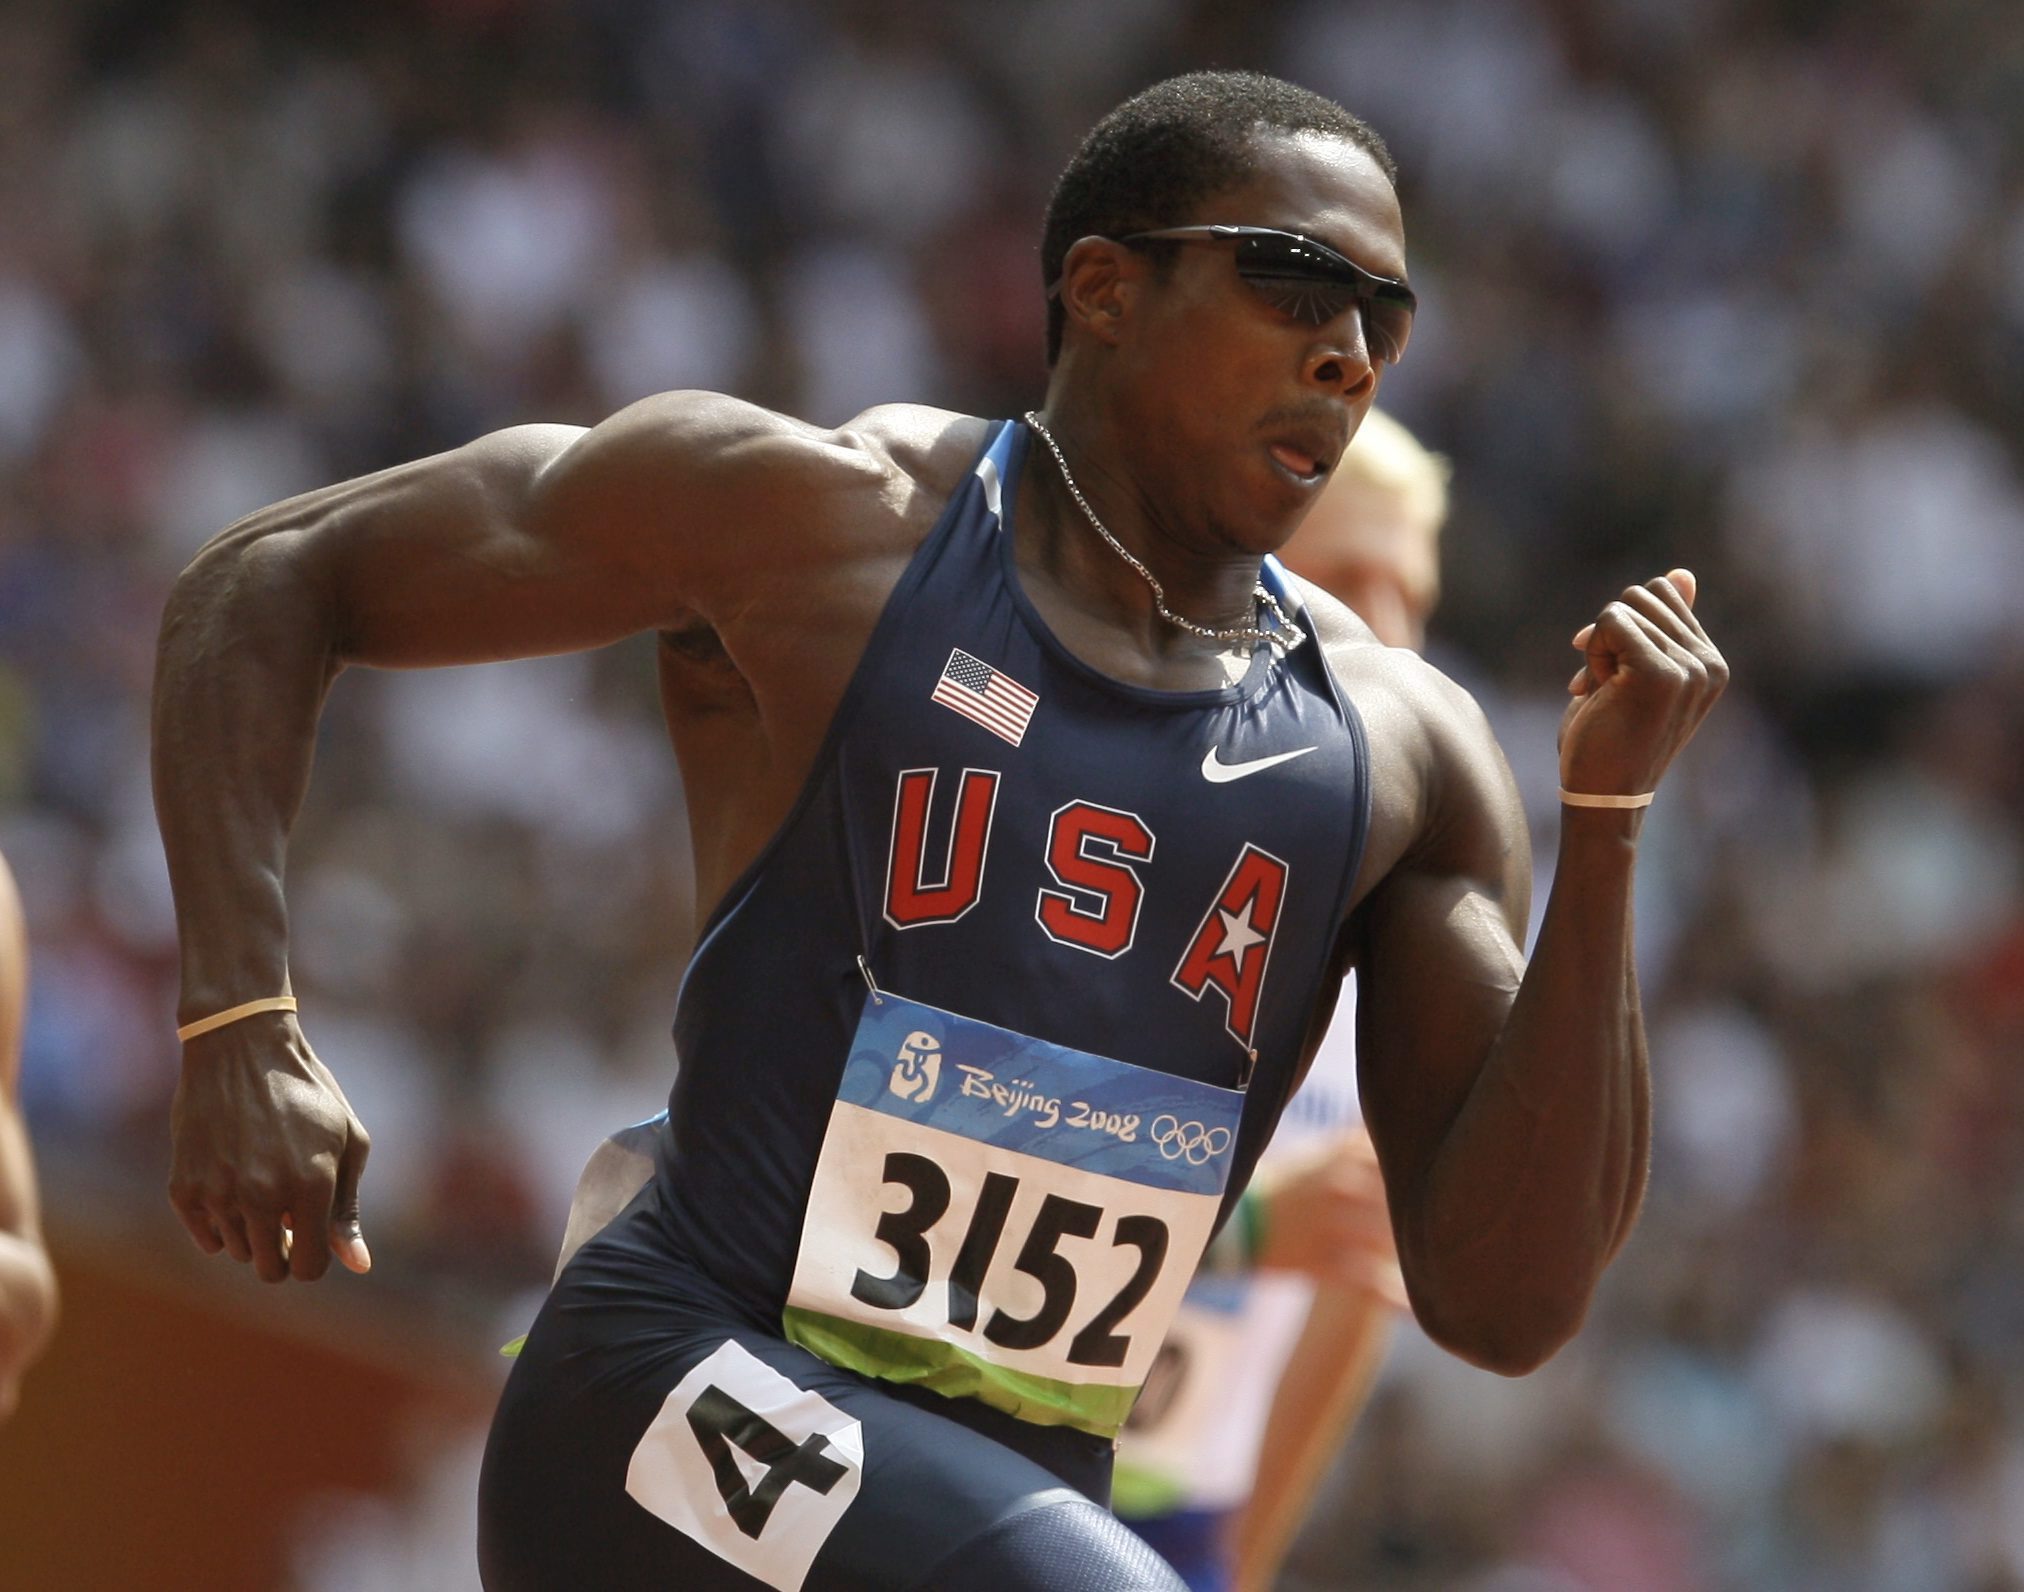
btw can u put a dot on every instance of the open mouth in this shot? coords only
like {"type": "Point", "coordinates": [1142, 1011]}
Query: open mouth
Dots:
{"type": "Point", "coordinates": [1302, 466]}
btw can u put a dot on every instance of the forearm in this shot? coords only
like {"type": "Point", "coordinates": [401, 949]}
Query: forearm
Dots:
{"type": "Point", "coordinates": [248, 649]}
{"type": "Point", "coordinates": [1538, 1180]}
{"type": "Point", "coordinates": [27, 1305]}
{"type": "Point", "coordinates": [425, 563]}
{"type": "Point", "coordinates": [1321, 1391]}
{"type": "Point", "coordinates": [27, 1283]}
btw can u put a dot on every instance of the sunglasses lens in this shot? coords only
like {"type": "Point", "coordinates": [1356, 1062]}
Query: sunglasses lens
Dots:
{"type": "Point", "coordinates": [1386, 326]}
{"type": "Point", "coordinates": [1304, 298]}
{"type": "Point", "coordinates": [1314, 287]}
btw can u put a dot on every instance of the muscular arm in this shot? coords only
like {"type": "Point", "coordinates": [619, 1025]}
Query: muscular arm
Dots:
{"type": "Point", "coordinates": [27, 1285]}
{"type": "Point", "coordinates": [1511, 1105]}
{"type": "Point", "coordinates": [534, 540]}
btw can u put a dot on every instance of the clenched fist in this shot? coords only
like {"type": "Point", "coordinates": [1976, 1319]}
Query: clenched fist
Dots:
{"type": "Point", "coordinates": [1649, 677]}
{"type": "Point", "coordinates": [267, 1152]}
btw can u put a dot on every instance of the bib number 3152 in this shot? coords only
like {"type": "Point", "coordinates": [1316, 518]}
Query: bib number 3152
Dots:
{"type": "Point", "coordinates": [1004, 1218]}
{"type": "Point", "coordinates": [1039, 1257]}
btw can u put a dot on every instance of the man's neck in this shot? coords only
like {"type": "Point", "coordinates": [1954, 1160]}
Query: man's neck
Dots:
{"type": "Point", "coordinates": [1098, 532]}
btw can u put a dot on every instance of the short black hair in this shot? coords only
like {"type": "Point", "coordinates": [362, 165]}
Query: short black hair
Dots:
{"type": "Point", "coordinates": [1148, 162]}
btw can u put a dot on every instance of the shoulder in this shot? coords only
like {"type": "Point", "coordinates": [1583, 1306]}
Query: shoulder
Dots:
{"type": "Point", "coordinates": [933, 448]}
{"type": "Point", "coordinates": [1402, 698]}
{"type": "Point", "coordinates": [714, 439]}
{"type": "Point", "coordinates": [730, 489]}
{"type": "Point", "coordinates": [1439, 780]}
{"type": "Point", "coordinates": [1333, 622]}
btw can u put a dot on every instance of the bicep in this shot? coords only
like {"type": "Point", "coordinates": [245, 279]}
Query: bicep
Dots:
{"type": "Point", "coordinates": [531, 540]}
{"type": "Point", "coordinates": [1440, 955]}
{"type": "Point", "coordinates": [449, 560]}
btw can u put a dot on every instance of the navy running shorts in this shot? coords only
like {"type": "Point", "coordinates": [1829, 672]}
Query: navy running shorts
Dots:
{"type": "Point", "coordinates": [652, 1437]}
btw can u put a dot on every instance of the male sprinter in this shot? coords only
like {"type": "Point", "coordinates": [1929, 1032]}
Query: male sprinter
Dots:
{"type": "Point", "coordinates": [1038, 815]}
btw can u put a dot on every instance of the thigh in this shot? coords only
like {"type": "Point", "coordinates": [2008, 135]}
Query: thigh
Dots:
{"type": "Point", "coordinates": [729, 1458]}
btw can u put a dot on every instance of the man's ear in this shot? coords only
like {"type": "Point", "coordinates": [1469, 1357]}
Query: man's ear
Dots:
{"type": "Point", "coordinates": [1099, 281]}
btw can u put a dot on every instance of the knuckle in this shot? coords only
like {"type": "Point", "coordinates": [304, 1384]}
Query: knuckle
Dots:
{"type": "Point", "coordinates": [216, 1194]}
{"type": "Point", "coordinates": [262, 1192]}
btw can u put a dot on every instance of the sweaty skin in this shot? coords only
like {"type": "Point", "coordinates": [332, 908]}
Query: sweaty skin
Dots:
{"type": "Point", "coordinates": [27, 1285]}
{"type": "Point", "coordinates": [1509, 1106]}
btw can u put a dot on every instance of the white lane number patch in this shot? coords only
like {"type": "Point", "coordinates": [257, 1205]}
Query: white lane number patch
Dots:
{"type": "Point", "coordinates": [756, 1469]}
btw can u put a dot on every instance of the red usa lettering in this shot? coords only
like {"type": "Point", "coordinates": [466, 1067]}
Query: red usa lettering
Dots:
{"type": "Point", "coordinates": [910, 900]}
{"type": "Point", "coordinates": [1089, 851]}
{"type": "Point", "coordinates": [1229, 951]}
{"type": "Point", "coordinates": [1097, 858]}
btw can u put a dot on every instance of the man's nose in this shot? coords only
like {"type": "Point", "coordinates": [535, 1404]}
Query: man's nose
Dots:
{"type": "Point", "coordinates": [1340, 359]}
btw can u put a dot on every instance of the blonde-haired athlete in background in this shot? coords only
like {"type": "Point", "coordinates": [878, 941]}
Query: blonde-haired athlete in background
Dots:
{"type": "Point", "coordinates": [1273, 1355]}
{"type": "Point", "coordinates": [27, 1285]}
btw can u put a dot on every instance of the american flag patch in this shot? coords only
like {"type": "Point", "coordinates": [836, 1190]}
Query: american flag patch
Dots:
{"type": "Point", "coordinates": [994, 699]}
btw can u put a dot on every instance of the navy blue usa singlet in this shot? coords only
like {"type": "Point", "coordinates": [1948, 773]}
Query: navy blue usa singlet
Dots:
{"type": "Point", "coordinates": [970, 1058]}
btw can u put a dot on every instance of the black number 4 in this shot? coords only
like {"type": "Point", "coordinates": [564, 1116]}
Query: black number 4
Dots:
{"type": "Point", "coordinates": [718, 1420]}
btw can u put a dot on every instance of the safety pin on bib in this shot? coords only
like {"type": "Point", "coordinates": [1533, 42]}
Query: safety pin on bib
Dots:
{"type": "Point", "coordinates": [870, 983]}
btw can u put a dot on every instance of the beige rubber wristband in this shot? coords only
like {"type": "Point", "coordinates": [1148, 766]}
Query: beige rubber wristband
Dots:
{"type": "Point", "coordinates": [1577, 799]}
{"type": "Point", "coordinates": [203, 1025]}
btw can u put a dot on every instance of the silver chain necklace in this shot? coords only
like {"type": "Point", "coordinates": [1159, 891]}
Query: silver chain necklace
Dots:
{"type": "Point", "coordinates": [1286, 635]}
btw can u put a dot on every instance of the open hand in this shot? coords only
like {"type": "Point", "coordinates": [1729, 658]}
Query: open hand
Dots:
{"type": "Point", "coordinates": [267, 1152]}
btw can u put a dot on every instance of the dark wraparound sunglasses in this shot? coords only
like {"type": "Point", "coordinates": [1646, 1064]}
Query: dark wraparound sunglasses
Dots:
{"type": "Point", "coordinates": [1308, 281]}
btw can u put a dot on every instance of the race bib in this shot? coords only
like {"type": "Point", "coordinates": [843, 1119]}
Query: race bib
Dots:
{"type": "Point", "coordinates": [1192, 1440]}
{"type": "Point", "coordinates": [1005, 1219]}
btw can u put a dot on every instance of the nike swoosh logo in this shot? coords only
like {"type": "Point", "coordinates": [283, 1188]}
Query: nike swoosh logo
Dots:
{"type": "Point", "coordinates": [1217, 773]}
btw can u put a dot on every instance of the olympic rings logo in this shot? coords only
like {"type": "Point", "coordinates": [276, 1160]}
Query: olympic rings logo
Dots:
{"type": "Point", "coordinates": [1190, 1140]}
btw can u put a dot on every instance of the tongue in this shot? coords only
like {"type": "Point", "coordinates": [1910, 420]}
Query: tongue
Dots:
{"type": "Point", "coordinates": [1296, 461]}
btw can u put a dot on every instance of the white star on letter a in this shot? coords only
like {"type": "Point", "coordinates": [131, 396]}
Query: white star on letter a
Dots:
{"type": "Point", "coordinates": [1238, 935]}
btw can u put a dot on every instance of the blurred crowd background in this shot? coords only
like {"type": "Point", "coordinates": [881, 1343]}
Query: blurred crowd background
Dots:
{"type": "Point", "coordinates": [1736, 284]}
